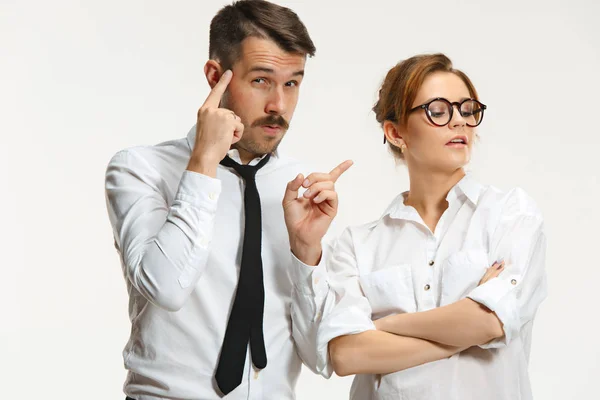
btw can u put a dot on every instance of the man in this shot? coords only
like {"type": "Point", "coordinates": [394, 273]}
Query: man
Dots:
{"type": "Point", "coordinates": [210, 311]}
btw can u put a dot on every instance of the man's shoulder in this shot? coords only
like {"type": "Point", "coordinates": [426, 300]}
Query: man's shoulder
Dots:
{"type": "Point", "coordinates": [154, 165]}
{"type": "Point", "coordinates": [151, 155]}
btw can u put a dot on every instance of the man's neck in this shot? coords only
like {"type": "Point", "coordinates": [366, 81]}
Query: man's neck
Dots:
{"type": "Point", "coordinates": [246, 156]}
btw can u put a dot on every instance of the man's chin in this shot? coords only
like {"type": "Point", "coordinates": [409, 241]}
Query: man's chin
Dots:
{"type": "Point", "coordinates": [264, 146]}
{"type": "Point", "coordinates": [270, 147]}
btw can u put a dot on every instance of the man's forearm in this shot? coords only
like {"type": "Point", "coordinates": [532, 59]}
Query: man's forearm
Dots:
{"type": "Point", "coordinates": [378, 352]}
{"type": "Point", "coordinates": [464, 323]}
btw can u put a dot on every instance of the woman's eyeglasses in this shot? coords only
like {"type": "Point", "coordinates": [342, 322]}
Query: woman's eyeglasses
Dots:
{"type": "Point", "coordinates": [439, 111]}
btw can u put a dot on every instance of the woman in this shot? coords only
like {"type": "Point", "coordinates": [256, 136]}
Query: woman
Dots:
{"type": "Point", "coordinates": [413, 307]}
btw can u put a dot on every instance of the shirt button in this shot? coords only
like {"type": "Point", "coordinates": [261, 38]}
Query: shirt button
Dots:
{"type": "Point", "coordinates": [427, 287]}
{"type": "Point", "coordinates": [431, 263]}
{"type": "Point", "coordinates": [212, 196]}
{"type": "Point", "coordinates": [514, 281]}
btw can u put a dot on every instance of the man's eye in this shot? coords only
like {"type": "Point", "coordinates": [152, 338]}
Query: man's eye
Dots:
{"type": "Point", "coordinates": [292, 83]}
{"type": "Point", "coordinates": [259, 80]}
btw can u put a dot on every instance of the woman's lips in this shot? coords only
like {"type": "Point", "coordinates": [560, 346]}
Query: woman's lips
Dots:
{"type": "Point", "coordinates": [456, 145]}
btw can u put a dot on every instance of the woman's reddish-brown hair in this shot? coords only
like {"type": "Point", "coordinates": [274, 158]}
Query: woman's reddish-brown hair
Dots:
{"type": "Point", "coordinates": [402, 83]}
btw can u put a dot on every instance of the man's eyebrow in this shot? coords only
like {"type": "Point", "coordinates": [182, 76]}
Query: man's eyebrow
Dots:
{"type": "Point", "coordinates": [272, 71]}
{"type": "Point", "coordinates": [262, 69]}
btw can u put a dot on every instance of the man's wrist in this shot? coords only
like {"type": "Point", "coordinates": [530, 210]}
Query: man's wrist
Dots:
{"type": "Point", "coordinates": [203, 164]}
{"type": "Point", "coordinates": [309, 254]}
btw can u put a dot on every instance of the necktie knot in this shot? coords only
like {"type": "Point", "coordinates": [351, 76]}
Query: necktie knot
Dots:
{"type": "Point", "coordinates": [248, 172]}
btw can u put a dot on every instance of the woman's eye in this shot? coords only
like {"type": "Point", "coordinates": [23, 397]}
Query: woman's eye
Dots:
{"type": "Point", "coordinates": [470, 113]}
{"type": "Point", "coordinates": [437, 114]}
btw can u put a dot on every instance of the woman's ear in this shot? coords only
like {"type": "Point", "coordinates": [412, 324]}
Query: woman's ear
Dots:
{"type": "Point", "coordinates": [392, 133]}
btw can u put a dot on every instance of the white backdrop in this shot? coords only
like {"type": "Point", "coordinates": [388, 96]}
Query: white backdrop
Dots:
{"type": "Point", "coordinates": [80, 80]}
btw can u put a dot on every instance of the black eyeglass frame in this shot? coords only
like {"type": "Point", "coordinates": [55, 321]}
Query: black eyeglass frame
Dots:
{"type": "Point", "coordinates": [458, 105]}
{"type": "Point", "coordinates": [451, 107]}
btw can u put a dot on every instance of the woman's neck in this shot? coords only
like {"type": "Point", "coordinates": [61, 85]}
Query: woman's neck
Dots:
{"type": "Point", "coordinates": [428, 191]}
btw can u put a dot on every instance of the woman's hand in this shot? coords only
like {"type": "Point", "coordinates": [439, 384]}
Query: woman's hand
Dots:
{"type": "Point", "coordinates": [492, 272]}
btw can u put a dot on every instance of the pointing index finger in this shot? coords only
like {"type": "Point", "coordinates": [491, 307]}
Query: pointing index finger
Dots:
{"type": "Point", "coordinates": [340, 169]}
{"type": "Point", "coordinates": [215, 95]}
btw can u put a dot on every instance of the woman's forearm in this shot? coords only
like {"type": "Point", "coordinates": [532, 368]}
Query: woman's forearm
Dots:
{"type": "Point", "coordinates": [464, 323]}
{"type": "Point", "coordinates": [378, 352]}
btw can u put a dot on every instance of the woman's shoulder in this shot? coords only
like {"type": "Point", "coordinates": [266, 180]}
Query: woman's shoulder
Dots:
{"type": "Point", "coordinates": [510, 203]}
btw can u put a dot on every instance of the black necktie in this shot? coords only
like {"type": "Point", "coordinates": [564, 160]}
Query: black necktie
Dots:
{"type": "Point", "coordinates": [246, 318]}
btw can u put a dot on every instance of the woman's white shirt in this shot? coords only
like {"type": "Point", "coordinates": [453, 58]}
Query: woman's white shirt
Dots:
{"type": "Point", "coordinates": [397, 265]}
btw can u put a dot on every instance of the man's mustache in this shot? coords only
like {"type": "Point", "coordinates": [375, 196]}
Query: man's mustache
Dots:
{"type": "Point", "coordinates": [274, 120]}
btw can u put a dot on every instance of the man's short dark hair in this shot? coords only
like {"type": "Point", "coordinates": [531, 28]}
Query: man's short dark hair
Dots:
{"type": "Point", "coordinates": [256, 18]}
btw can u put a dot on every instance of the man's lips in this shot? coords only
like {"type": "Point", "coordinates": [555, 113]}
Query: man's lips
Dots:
{"type": "Point", "coordinates": [272, 129]}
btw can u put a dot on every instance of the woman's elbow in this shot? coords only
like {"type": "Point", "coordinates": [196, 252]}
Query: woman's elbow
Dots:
{"type": "Point", "coordinates": [341, 357]}
{"type": "Point", "coordinates": [486, 326]}
{"type": "Point", "coordinates": [493, 329]}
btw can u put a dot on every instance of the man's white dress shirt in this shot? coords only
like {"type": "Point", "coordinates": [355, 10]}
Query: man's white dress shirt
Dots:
{"type": "Point", "coordinates": [179, 235]}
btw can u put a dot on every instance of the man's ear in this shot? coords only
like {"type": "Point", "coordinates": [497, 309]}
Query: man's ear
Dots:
{"type": "Point", "coordinates": [213, 72]}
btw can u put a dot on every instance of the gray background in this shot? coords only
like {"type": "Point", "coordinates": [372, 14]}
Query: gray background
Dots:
{"type": "Point", "coordinates": [80, 80]}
